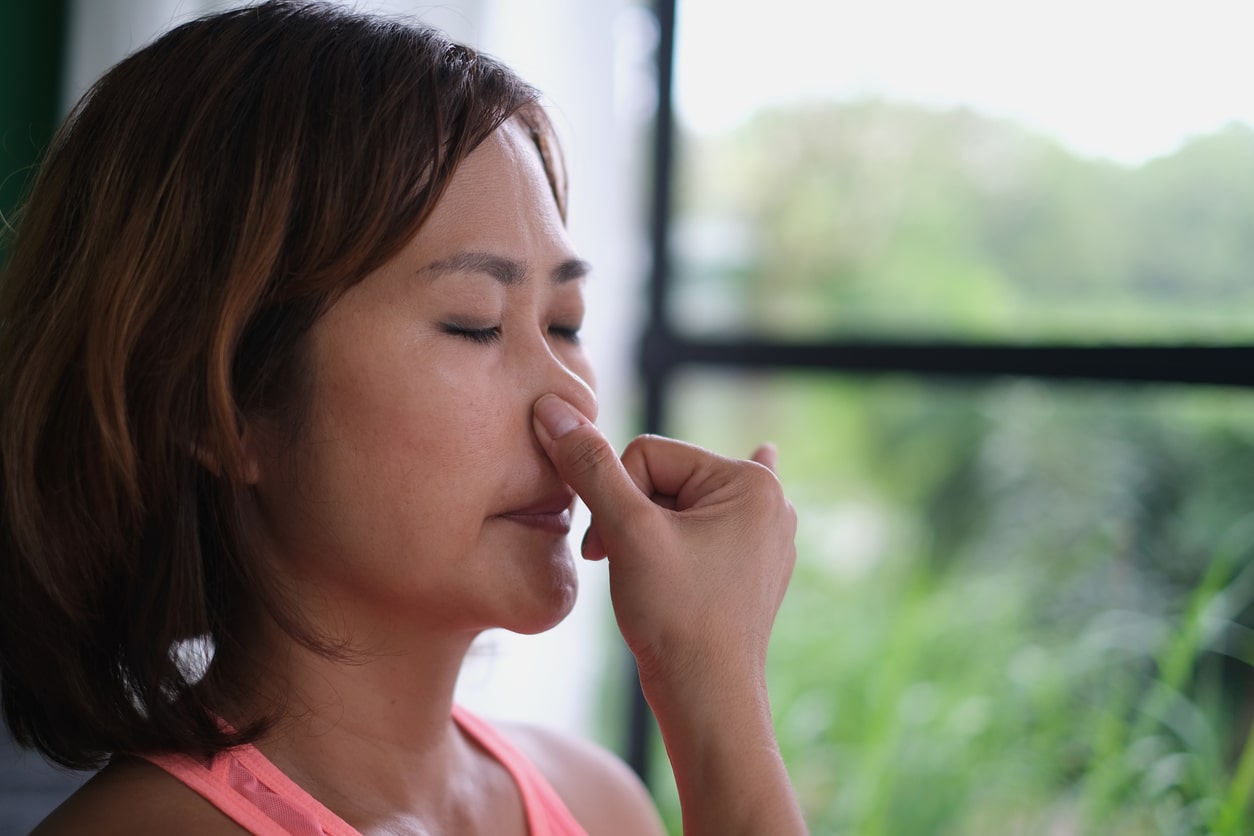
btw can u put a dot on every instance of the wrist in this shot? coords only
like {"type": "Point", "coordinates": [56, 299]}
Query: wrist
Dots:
{"type": "Point", "coordinates": [720, 739]}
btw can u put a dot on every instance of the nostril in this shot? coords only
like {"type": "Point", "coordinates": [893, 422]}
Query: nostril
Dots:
{"type": "Point", "coordinates": [582, 398]}
{"type": "Point", "coordinates": [576, 388]}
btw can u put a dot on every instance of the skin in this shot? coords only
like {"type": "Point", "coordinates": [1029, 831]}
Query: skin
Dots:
{"type": "Point", "coordinates": [427, 499]}
{"type": "Point", "coordinates": [700, 550]}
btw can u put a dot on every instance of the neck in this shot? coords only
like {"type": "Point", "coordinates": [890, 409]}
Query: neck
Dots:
{"type": "Point", "coordinates": [369, 735]}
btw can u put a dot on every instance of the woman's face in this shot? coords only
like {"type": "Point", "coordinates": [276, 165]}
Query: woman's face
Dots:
{"type": "Point", "coordinates": [417, 490]}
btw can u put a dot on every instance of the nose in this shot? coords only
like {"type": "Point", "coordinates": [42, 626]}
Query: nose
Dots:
{"type": "Point", "coordinates": [570, 378]}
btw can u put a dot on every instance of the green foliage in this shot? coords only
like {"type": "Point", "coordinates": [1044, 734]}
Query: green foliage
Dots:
{"type": "Point", "coordinates": [1017, 609]}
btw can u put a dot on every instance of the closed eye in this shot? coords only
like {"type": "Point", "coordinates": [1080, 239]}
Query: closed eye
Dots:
{"type": "Point", "coordinates": [566, 333]}
{"type": "Point", "coordinates": [482, 336]}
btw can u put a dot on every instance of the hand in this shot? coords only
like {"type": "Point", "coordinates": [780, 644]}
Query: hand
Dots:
{"type": "Point", "coordinates": [700, 548]}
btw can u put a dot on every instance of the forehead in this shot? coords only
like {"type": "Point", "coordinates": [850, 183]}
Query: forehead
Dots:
{"type": "Point", "coordinates": [500, 197]}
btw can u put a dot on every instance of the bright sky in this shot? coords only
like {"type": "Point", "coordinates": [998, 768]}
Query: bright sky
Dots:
{"type": "Point", "coordinates": [1116, 78]}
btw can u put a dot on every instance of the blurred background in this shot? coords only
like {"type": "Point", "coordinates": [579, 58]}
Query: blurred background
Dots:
{"type": "Point", "coordinates": [1023, 599]}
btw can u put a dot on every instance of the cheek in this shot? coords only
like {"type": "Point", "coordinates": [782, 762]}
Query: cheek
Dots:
{"type": "Point", "coordinates": [416, 411]}
{"type": "Point", "coordinates": [434, 423]}
{"type": "Point", "coordinates": [387, 469]}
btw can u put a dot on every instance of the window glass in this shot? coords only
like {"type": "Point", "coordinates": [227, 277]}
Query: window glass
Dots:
{"type": "Point", "coordinates": [1017, 606]}
{"type": "Point", "coordinates": [1066, 171]}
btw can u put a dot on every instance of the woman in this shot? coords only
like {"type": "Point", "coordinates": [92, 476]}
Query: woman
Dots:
{"type": "Point", "coordinates": [295, 408]}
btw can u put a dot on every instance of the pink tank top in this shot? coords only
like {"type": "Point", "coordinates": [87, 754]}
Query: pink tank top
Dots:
{"type": "Point", "coordinates": [246, 786]}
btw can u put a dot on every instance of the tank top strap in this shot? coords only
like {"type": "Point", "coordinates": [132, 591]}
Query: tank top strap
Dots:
{"type": "Point", "coordinates": [254, 793]}
{"type": "Point", "coordinates": [246, 786]}
{"type": "Point", "coordinates": [547, 814]}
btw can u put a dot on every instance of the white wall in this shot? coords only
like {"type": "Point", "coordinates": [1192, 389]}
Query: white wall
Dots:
{"type": "Point", "coordinates": [102, 32]}
{"type": "Point", "coordinates": [587, 56]}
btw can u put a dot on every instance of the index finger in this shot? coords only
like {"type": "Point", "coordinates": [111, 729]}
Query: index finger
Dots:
{"type": "Point", "coordinates": [668, 467]}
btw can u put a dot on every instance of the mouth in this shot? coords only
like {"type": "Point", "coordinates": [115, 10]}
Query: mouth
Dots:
{"type": "Point", "coordinates": [552, 514]}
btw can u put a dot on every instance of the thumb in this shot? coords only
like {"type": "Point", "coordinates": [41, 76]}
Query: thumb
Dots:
{"type": "Point", "coordinates": [585, 460]}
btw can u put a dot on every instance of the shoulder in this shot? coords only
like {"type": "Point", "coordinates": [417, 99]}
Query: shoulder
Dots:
{"type": "Point", "coordinates": [601, 791]}
{"type": "Point", "coordinates": [133, 796]}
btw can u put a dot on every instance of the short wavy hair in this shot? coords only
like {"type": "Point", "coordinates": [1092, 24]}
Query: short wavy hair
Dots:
{"type": "Point", "coordinates": [207, 200]}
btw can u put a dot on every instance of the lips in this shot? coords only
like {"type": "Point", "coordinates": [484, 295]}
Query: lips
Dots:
{"type": "Point", "coordinates": [550, 514]}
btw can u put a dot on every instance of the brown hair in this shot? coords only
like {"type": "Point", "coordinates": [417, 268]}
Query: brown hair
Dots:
{"type": "Point", "coordinates": [198, 210]}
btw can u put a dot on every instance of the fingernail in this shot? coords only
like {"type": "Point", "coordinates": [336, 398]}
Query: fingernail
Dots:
{"type": "Point", "coordinates": [557, 416]}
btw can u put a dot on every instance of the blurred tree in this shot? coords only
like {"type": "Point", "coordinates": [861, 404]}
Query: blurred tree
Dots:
{"type": "Point", "coordinates": [877, 217]}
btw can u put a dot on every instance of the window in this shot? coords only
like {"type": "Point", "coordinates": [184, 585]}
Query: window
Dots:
{"type": "Point", "coordinates": [949, 255]}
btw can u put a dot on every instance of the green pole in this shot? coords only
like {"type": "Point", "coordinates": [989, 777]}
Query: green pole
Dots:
{"type": "Point", "coordinates": [32, 47]}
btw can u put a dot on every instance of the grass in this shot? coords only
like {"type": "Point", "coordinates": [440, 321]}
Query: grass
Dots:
{"type": "Point", "coordinates": [911, 702]}
{"type": "Point", "coordinates": [1016, 610]}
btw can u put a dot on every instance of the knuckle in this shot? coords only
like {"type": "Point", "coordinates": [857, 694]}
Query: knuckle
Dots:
{"type": "Point", "coordinates": [588, 455]}
{"type": "Point", "coordinates": [763, 477]}
{"type": "Point", "coordinates": [760, 482]}
{"type": "Point", "coordinates": [635, 454]}
{"type": "Point", "coordinates": [636, 445]}
{"type": "Point", "coordinates": [641, 443]}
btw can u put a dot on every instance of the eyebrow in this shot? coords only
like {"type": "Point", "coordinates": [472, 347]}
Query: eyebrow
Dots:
{"type": "Point", "coordinates": [507, 271]}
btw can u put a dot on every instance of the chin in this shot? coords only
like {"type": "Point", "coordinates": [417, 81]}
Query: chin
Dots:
{"type": "Point", "coordinates": [547, 609]}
